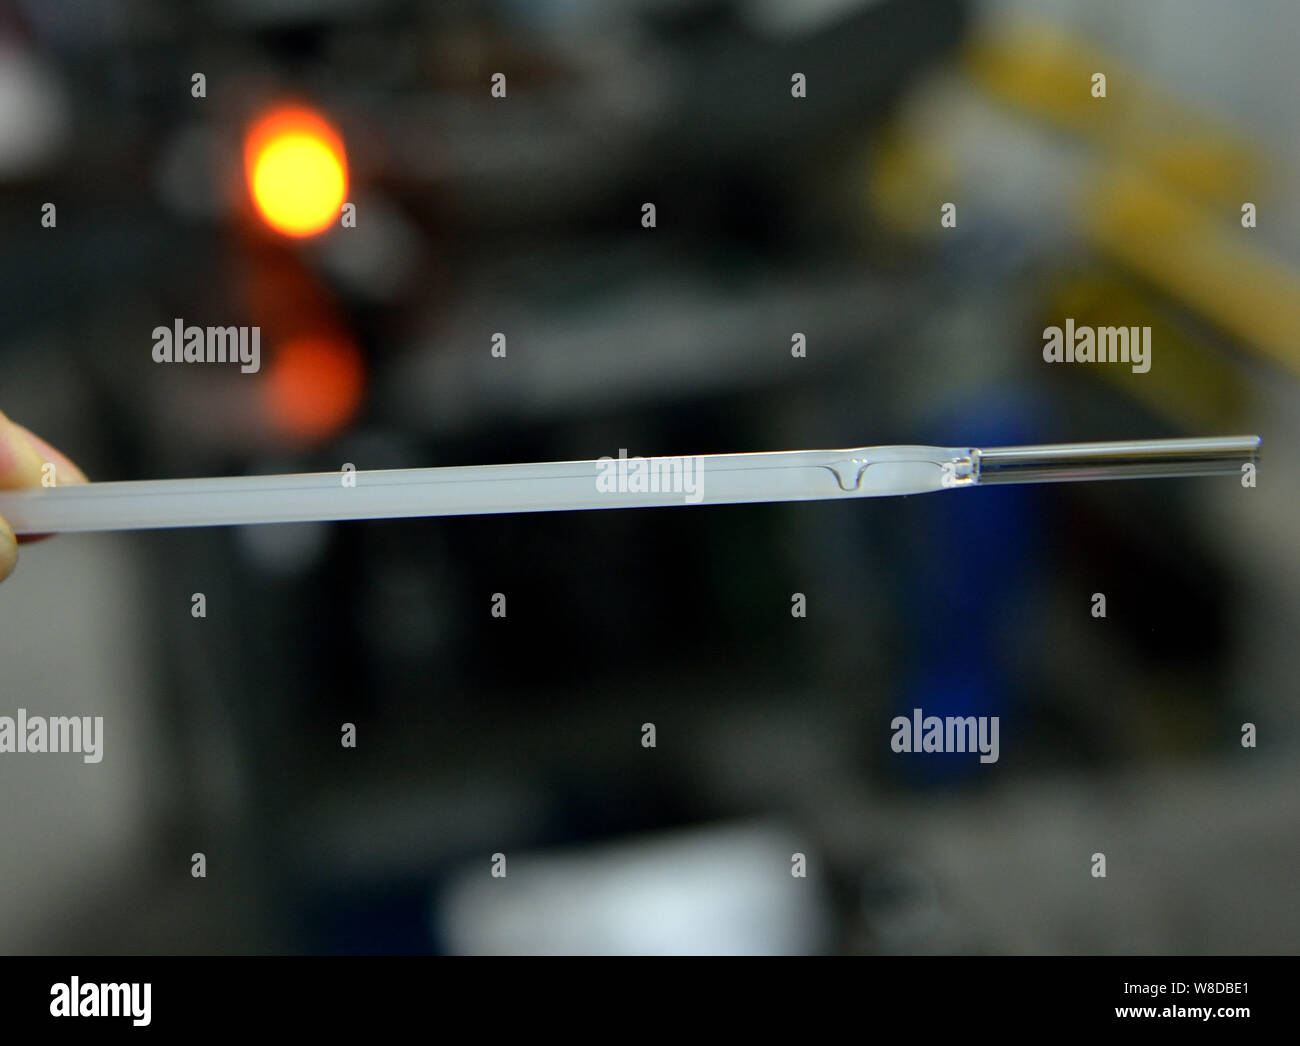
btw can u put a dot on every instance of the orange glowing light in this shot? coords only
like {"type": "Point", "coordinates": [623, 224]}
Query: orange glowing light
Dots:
{"type": "Point", "coordinates": [297, 171]}
{"type": "Point", "coordinates": [314, 386]}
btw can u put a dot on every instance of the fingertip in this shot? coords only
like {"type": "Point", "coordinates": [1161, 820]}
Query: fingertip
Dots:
{"type": "Point", "coordinates": [20, 461]}
{"type": "Point", "coordinates": [65, 469]}
{"type": "Point", "coordinates": [8, 549]}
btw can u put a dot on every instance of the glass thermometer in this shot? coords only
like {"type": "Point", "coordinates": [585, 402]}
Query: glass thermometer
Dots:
{"type": "Point", "coordinates": [622, 482]}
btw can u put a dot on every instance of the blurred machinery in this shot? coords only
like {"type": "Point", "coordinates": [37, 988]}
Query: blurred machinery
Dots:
{"type": "Point", "coordinates": [477, 215]}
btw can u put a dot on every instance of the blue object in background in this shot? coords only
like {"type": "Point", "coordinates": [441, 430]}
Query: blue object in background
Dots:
{"type": "Point", "coordinates": [962, 582]}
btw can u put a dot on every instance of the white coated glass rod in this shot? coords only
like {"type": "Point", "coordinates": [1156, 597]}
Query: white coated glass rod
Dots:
{"type": "Point", "coordinates": [621, 482]}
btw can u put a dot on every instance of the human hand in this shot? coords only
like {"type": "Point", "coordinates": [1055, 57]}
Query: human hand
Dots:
{"type": "Point", "coordinates": [23, 461]}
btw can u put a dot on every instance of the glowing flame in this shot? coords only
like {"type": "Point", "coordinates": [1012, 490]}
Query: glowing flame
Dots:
{"type": "Point", "coordinates": [297, 171]}
{"type": "Point", "coordinates": [315, 386]}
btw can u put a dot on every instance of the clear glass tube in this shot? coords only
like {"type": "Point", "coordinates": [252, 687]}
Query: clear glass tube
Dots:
{"type": "Point", "coordinates": [623, 482]}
